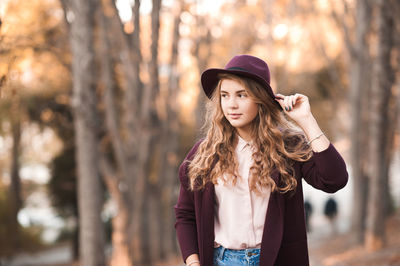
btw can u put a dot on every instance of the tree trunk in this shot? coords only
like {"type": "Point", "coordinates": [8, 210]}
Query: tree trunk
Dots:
{"type": "Point", "coordinates": [148, 142]}
{"type": "Point", "coordinates": [381, 94]}
{"type": "Point", "coordinates": [358, 101]}
{"type": "Point", "coordinates": [75, 238]}
{"type": "Point", "coordinates": [120, 256]}
{"type": "Point", "coordinates": [202, 53]}
{"type": "Point", "coordinates": [15, 199]}
{"type": "Point", "coordinates": [130, 141]}
{"type": "Point", "coordinates": [395, 107]}
{"type": "Point", "coordinates": [119, 238]}
{"type": "Point", "coordinates": [167, 176]}
{"type": "Point", "coordinates": [133, 141]}
{"type": "Point", "coordinates": [90, 195]}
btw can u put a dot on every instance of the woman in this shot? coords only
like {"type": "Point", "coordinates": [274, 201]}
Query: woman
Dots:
{"type": "Point", "coordinates": [241, 198]}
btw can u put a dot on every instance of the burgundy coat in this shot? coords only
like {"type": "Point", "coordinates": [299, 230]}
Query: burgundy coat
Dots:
{"type": "Point", "coordinates": [284, 240]}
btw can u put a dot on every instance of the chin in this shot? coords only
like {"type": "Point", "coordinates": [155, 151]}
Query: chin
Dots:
{"type": "Point", "coordinates": [236, 124]}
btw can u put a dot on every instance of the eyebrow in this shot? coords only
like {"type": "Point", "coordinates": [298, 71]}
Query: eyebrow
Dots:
{"type": "Point", "coordinates": [222, 91]}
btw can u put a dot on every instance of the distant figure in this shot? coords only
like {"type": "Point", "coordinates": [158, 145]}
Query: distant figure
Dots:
{"type": "Point", "coordinates": [330, 212]}
{"type": "Point", "coordinates": [308, 211]}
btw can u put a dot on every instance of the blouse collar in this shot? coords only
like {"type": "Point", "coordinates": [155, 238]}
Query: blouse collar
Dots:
{"type": "Point", "coordinates": [242, 143]}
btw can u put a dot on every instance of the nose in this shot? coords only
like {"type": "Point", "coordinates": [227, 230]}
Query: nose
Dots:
{"type": "Point", "coordinates": [233, 104]}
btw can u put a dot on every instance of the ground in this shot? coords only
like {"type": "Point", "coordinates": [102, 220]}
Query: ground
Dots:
{"type": "Point", "coordinates": [325, 250]}
{"type": "Point", "coordinates": [340, 250]}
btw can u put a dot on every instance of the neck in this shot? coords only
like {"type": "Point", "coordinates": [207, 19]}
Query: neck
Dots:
{"type": "Point", "coordinates": [244, 134]}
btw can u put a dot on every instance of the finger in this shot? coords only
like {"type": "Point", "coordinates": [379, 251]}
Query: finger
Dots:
{"type": "Point", "coordinates": [280, 99]}
{"type": "Point", "coordinates": [291, 102]}
{"type": "Point", "coordinates": [279, 96]}
{"type": "Point", "coordinates": [286, 103]}
{"type": "Point", "coordinates": [296, 99]}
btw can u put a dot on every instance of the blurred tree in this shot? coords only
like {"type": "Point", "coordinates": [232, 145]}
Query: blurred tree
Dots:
{"type": "Point", "coordinates": [150, 141]}
{"type": "Point", "coordinates": [14, 193]}
{"type": "Point", "coordinates": [202, 51]}
{"type": "Point", "coordinates": [29, 236]}
{"type": "Point", "coordinates": [63, 191]}
{"type": "Point", "coordinates": [123, 180]}
{"type": "Point", "coordinates": [12, 203]}
{"type": "Point", "coordinates": [119, 238]}
{"type": "Point", "coordinates": [374, 110]}
{"type": "Point", "coordinates": [395, 127]}
{"type": "Point", "coordinates": [84, 104]}
{"type": "Point", "coordinates": [150, 136]}
{"type": "Point", "coordinates": [53, 111]}
{"type": "Point", "coordinates": [12, 113]}
{"type": "Point", "coordinates": [380, 123]}
{"type": "Point", "coordinates": [135, 136]}
{"type": "Point", "coordinates": [360, 73]}
{"type": "Point", "coordinates": [17, 46]}
{"type": "Point", "coordinates": [168, 156]}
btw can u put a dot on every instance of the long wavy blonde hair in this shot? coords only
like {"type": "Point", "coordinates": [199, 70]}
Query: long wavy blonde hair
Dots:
{"type": "Point", "coordinates": [277, 142]}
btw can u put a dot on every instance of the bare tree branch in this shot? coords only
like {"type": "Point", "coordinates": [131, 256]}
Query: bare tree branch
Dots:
{"type": "Point", "coordinates": [66, 5]}
{"type": "Point", "coordinates": [340, 21]}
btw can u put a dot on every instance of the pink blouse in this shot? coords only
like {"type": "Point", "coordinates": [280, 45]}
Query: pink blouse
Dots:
{"type": "Point", "coordinates": [240, 213]}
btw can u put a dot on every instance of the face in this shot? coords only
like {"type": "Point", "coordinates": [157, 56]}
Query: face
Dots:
{"type": "Point", "coordinates": [237, 105]}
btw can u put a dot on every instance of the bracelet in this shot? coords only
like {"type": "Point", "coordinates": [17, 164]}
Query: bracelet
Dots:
{"type": "Point", "coordinates": [315, 138]}
{"type": "Point", "coordinates": [193, 262]}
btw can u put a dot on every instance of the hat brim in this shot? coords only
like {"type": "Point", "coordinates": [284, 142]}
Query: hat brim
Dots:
{"type": "Point", "coordinates": [209, 80]}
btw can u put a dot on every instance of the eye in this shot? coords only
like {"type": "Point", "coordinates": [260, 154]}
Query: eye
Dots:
{"type": "Point", "coordinates": [242, 95]}
{"type": "Point", "coordinates": [223, 95]}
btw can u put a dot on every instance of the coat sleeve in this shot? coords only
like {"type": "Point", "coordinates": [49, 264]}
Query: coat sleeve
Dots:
{"type": "Point", "coordinates": [185, 224]}
{"type": "Point", "coordinates": [325, 170]}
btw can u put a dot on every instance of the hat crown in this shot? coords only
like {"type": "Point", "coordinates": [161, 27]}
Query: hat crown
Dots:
{"type": "Point", "coordinates": [250, 64]}
{"type": "Point", "coordinates": [241, 65]}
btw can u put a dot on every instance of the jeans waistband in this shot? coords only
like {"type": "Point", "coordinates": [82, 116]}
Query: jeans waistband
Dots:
{"type": "Point", "coordinates": [248, 252]}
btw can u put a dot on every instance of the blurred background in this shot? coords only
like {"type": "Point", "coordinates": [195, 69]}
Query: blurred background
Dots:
{"type": "Point", "coordinates": [100, 101]}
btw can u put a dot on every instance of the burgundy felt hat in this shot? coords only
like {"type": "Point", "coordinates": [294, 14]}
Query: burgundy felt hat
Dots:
{"type": "Point", "coordinates": [241, 65]}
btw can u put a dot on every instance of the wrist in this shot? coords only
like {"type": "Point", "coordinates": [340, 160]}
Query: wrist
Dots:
{"type": "Point", "coordinates": [193, 263]}
{"type": "Point", "coordinates": [315, 138]}
{"type": "Point", "coordinates": [309, 125]}
{"type": "Point", "coordinates": [306, 120]}
{"type": "Point", "coordinates": [193, 260]}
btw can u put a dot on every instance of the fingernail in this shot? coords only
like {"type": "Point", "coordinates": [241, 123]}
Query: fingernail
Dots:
{"type": "Point", "coordinates": [286, 108]}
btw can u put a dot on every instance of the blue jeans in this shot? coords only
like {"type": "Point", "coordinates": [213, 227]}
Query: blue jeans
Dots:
{"type": "Point", "coordinates": [232, 257]}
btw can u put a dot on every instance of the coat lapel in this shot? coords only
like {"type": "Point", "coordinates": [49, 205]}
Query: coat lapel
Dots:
{"type": "Point", "coordinates": [207, 218]}
{"type": "Point", "coordinates": [273, 227]}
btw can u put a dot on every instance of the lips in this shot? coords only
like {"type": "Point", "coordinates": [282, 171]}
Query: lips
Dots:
{"type": "Point", "coordinates": [235, 116]}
